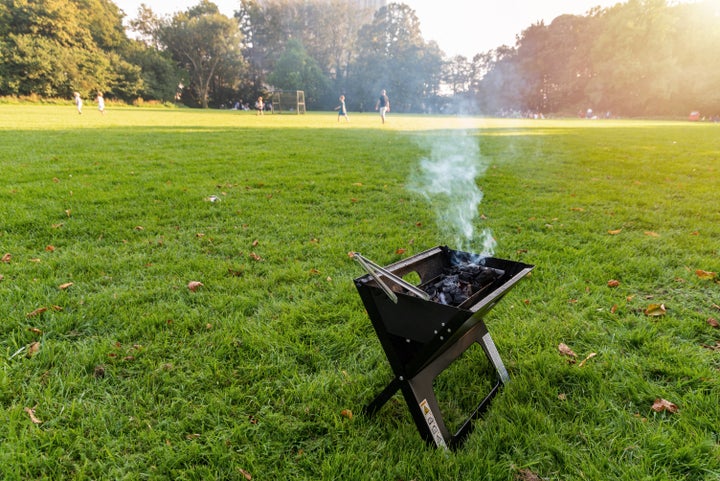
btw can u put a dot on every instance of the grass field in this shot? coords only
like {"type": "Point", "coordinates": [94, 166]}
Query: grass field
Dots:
{"type": "Point", "coordinates": [112, 368]}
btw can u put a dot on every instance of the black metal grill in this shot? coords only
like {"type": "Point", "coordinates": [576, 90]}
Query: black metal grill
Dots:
{"type": "Point", "coordinates": [421, 337]}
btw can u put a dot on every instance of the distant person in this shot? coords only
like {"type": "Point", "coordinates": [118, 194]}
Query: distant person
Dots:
{"type": "Point", "coordinates": [100, 102]}
{"type": "Point", "coordinates": [260, 106]}
{"type": "Point", "coordinates": [342, 111]}
{"type": "Point", "coordinates": [383, 105]}
{"type": "Point", "coordinates": [78, 102]}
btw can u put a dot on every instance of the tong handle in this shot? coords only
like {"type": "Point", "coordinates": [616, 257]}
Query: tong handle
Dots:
{"type": "Point", "coordinates": [375, 271]}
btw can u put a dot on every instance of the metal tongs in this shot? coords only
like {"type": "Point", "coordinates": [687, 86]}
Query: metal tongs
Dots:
{"type": "Point", "coordinates": [376, 271]}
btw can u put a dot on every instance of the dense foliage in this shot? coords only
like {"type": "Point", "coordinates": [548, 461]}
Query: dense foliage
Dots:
{"type": "Point", "coordinates": [638, 58]}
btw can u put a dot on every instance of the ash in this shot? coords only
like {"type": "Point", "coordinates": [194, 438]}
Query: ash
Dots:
{"type": "Point", "coordinates": [459, 282]}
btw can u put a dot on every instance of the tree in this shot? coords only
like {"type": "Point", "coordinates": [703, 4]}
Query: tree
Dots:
{"type": "Point", "coordinates": [203, 41]}
{"type": "Point", "coordinates": [296, 70]}
{"type": "Point", "coordinates": [394, 56]}
{"type": "Point", "coordinates": [53, 47]}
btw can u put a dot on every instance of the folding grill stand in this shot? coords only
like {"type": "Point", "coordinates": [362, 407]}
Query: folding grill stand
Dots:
{"type": "Point", "coordinates": [422, 338]}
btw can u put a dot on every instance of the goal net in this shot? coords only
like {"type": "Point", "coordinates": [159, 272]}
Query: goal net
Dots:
{"type": "Point", "coordinates": [291, 101]}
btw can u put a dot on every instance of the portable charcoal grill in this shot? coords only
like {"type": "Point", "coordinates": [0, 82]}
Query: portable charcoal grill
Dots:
{"type": "Point", "coordinates": [424, 329]}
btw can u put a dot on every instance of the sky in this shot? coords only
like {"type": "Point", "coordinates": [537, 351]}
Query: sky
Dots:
{"type": "Point", "coordinates": [460, 27]}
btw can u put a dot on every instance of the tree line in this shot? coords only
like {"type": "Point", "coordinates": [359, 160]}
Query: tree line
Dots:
{"type": "Point", "coordinates": [638, 58]}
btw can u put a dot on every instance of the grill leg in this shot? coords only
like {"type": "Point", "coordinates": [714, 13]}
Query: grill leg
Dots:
{"type": "Point", "coordinates": [383, 397]}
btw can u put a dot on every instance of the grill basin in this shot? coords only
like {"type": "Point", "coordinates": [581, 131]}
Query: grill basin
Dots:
{"type": "Point", "coordinates": [421, 337]}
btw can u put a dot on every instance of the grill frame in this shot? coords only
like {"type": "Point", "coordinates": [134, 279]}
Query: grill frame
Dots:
{"type": "Point", "coordinates": [421, 338]}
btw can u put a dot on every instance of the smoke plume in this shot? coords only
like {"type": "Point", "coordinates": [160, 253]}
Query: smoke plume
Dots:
{"type": "Point", "coordinates": [447, 179]}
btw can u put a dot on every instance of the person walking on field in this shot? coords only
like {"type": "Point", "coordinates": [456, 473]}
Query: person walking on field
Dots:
{"type": "Point", "coordinates": [342, 111]}
{"type": "Point", "coordinates": [78, 102]}
{"type": "Point", "coordinates": [101, 103]}
{"type": "Point", "coordinates": [383, 105]}
{"type": "Point", "coordinates": [260, 106]}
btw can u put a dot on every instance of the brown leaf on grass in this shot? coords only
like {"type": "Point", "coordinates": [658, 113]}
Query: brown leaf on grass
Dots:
{"type": "Point", "coordinates": [35, 330]}
{"type": "Point", "coordinates": [716, 347]}
{"type": "Point", "coordinates": [613, 309]}
{"type": "Point", "coordinates": [245, 474]}
{"type": "Point", "coordinates": [589, 356]}
{"type": "Point", "coordinates": [613, 283]}
{"type": "Point", "coordinates": [255, 257]}
{"type": "Point", "coordinates": [400, 251]}
{"type": "Point", "coordinates": [526, 475]}
{"type": "Point", "coordinates": [346, 413]}
{"type": "Point", "coordinates": [577, 209]}
{"type": "Point", "coordinates": [655, 310]}
{"type": "Point", "coordinates": [713, 323]}
{"type": "Point", "coordinates": [565, 349]}
{"type": "Point", "coordinates": [705, 274]}
{"type": "Point", "coordinates": [314, 271]}
{"type": "Point", "coordinates": [2, 277]}
{"type": "Point", "coordinates": [6, 258]}
{"type": "Point", "coordinates": [33, 349]}
{"type": "Point", "coordinates": [50, 248]}
{"type": "Point", "coordinates": [62, 287]}
{"type": "Point", "coordinates": [194, 285]}
{"type": "Point", "coordinates": [68, 212]}
{"type": "Point", "coordinates": [661, 405]}
{"type": "Point", "coordinates": [31, 413]}
{"type": "Point", "coordinates": [139, 228]}
{"type": "Point", "coordinates": [192, 436]}
{"type": "Point", "coordinates": [56, 226]}
{"type": "Point", "coordinates": [650, 233]}
{"type": "Point", "coordinates": [255, 243]}
{"type": "Point", "coordinates": [37, 312]}
{"type": "Point", "coordinates": [614, 232]}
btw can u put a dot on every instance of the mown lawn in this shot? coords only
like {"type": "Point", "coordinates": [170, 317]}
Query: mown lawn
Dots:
{"type": "Point", "coordinates": [112, 368]}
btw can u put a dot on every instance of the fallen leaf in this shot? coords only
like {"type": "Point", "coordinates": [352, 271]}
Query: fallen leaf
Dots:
{"type": "Point", "coordinates": [192, 436]}
{"type": "Point", "coordinates": [50, 248]}
{"type": "Point", "coordinates": [613, 283]}
{"type": "Point", "coordinates": [68, 212]}
{"type": "Point", "coordinates": [716, 347]}
{"type": "Point", "coordinates": [62, 287]}
{"type": "Point", "coordinates": [139, 228]}
{"type": "Point", "coordinates": [194, 285]}
{"type": "Point", "coordinates": [589, 356]}
{"type": "Point", "coordinates": [564, 349]}
{"type": "Point", "coordinates": [2, 277]}
{"type": "Point", "coordinates": [256, 257]}
{"type": "Point", "coordinates": [400, 251]}
{"type": "Point", "coordinates": [705, 274]}
{"type": "Point", "coordinates": [245, 474]}
{"type": "Point", "coordinates": [37, 312]}
{"type": "Point", "coordinates": [35, 330]}
{"type": "Point", "coordinates": [713, 322]}
{"type": "Point", "coordinates": [314, 271]}
{"type": "Point", "coordinates": [346, 413]}
{"type": "Point", "coordinates": [661, 405]}
{"type": "Point", "coordinates": [6, 258]}
{"type": "Point", "coordinates": [614, 232]}
{"type": "Point", "coordinates": [255, 243]}
{"type": "Point", "coordinates": [577, 209]}
{"type": "Point", "coordinates": [31, 413]}
{"type": "Point", "coordinates": [526, 475]}
{"type": "Point", "coordinates": [650, 233]}
{"type": "Point", "coordinates": [56, 226]}
{"type": "Point", "coordinates": [358, 184]}
{"type": "Point", "coordinates": [655, 310]}
{"type": "Point", "coordinates": [33, 349]}
{"type": "Point", "coordinates": [613, 309]}
{"type": "Point", "coordinates": [562, 396]}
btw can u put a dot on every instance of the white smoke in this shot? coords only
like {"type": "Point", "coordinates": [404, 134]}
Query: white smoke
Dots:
{"type": "Point", "coordinates": [447, 179]}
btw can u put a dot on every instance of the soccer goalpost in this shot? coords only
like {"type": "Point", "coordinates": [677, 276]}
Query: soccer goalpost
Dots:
{"type": "Point", "coordinates": [288, 101]}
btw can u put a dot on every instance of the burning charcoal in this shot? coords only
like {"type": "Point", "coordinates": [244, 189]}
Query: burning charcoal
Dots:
{"type": "Point", "coordinates": [459, 282]}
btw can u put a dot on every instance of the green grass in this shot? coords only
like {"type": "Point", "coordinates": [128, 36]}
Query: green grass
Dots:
{"type": "Point", "coordinates": [137, 377]}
